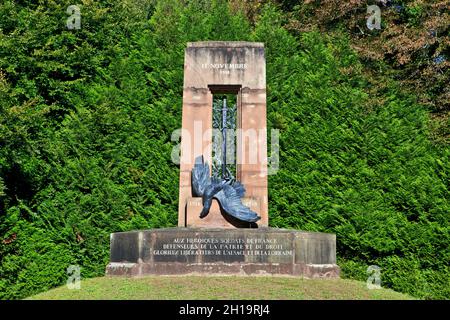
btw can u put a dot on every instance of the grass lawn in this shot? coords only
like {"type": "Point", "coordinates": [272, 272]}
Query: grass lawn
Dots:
{"type": "Point", "coordinates": [226, 287]}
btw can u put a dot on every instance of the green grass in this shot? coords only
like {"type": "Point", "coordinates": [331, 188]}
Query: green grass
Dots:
{"type": "Point", "coordinates": [229, 287]}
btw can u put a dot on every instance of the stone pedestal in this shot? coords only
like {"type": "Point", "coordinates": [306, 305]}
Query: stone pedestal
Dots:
{"type": "Point", "coordinates": [216, 218]}
{"type": "Point", "coordinates": [263, 251]}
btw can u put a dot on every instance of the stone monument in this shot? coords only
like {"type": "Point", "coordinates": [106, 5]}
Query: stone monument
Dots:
{"type": "Point", "coordinates": [223, 195]}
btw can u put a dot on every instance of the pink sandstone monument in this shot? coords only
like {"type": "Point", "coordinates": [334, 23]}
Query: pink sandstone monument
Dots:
{"type": "Point", "coordinates": [214, 68]}
{"type": "Point", "coordinates": [220, 229]}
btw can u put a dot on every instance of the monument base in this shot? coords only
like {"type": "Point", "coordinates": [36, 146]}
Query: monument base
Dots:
{"type": "Point", "coordinates": [262, 251]}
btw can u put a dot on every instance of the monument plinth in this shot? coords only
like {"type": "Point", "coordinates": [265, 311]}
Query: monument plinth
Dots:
{"type": "Point", "coordinates": [216, 68]}
{"type": "Point", "coordinates": [223, 197]}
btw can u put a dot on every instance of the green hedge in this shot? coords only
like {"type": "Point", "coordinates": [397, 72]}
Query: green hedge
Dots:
{"type": "Point", "coordinates": [85, 142]}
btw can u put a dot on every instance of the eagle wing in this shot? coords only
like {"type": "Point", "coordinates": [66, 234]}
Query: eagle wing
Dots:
{"type": "Point", "coordinates": [230, 200]}
{"type": "Point", "coordinates": [200, 176]}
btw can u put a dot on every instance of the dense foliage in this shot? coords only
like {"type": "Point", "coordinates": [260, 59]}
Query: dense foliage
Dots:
{"type": "Point", "coordinates": [413, 39]}
{"type": "Point", "coordinates": [86, 118]}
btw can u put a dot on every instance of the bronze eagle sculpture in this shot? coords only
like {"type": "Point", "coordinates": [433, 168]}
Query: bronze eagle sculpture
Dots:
{"type": "Point", "coordinates": [227, 191]}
